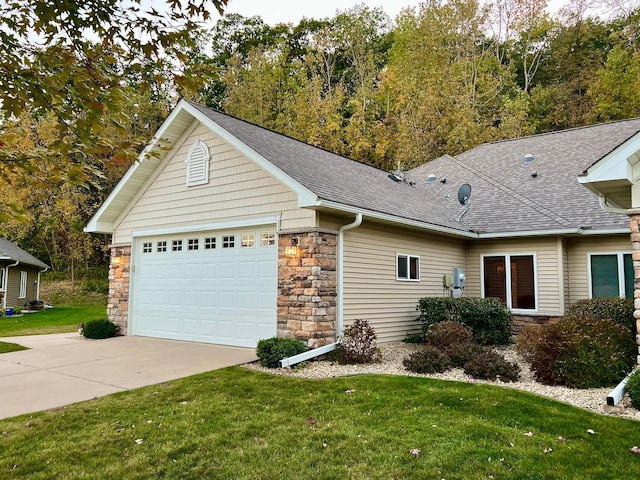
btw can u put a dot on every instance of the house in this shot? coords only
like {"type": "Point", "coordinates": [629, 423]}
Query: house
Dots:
{"type": "Point", "coordinates": [225, 232]}
{"type": "Point", "coordinates": [19, 276]}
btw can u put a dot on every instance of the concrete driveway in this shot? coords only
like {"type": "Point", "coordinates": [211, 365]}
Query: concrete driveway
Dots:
{"type": "Point", "coordinates": [65, 368]}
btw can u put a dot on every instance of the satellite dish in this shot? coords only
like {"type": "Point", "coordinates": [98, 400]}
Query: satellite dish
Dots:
{"type": "Point", "coordinates": [464, 193]}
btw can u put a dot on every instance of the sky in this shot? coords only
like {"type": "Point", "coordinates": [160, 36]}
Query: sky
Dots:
{"type": "Point", "coordinates": [292, 11]}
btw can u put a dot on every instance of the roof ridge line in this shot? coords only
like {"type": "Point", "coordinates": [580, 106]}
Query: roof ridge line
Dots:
{"type": "Point", "coordinates": [525, 200]}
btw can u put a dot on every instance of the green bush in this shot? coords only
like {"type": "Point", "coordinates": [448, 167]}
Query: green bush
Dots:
{"type": "Point", "coordinates": [490, 365]}
{"type": "Point", "coordinates": [583, 353]}
{"type": "Point", "coordinates": [357, 345]}
{"type": "Point", "coordinates": [428, 359]}
{"type": "Point", "coordinates": [619, 310]}
{"type": "Point", "coordinates": [271, 350]}
{"type": "Point", "coordinates": [101, 328]}
{"type": "Point", "coordinates": [527, 341]}
{"type": "Point", "coordinates": [487, 318]}
{"type": "Point", "coordinates": [460, 353]}
{"type": "Point", "coordinates": [444, 334]}
{"type": "Point", "coordinates": [633, 388]}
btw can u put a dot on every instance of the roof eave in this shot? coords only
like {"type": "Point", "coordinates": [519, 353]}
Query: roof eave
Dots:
{"type": "Point", "coordinates": [556, 232]}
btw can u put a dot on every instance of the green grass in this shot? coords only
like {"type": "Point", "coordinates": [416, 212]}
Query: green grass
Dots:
{"type": "Point", "coordinates": [241, 424]}
{"type": "Point", "coordinates": [54, 320]}
{"type": "Point", "coordinates": [6, 347]}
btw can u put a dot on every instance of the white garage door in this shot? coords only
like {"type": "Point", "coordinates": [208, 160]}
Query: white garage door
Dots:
{"type": "Point", "coordinates": [214, 287]}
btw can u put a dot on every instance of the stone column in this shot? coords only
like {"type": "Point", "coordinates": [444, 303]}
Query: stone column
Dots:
{"type": "Point", "coordinates": [119, 278]}
{"type": "Point", "coordinates": [634, 225]}
{"type": "Point", "coordinates": [307, 287]}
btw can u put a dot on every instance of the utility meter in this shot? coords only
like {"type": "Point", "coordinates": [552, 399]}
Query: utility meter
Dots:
{"type": "Point", "coordinates": [459, 276]}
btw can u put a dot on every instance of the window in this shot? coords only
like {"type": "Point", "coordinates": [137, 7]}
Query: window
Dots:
{"type": "Point", "coordinates": [267, 239]}
{"type": "Point", "coordinates": [248, 239]}
{"type": "Point", "coordinates": [611, 275]}
{"type": "Point", "coordinates": [408, 267]}
{"type": "Point", "coordinates": [209, 243]}
{"type": "Point", "coordinates": [147, 247]}
{"type": "Point", "coordinates": [192, 244]}
{"type": "Point", "coordinates": [162, 246]}
{"type": "Point", "coordinates": [176, 245]}
{"type": "Point", "coordinates": [228, 241]}
{"type": "Point", "coordinates": [512, 279]}
{"type": "Point", "coordinates": [2, 279]}
{"type": "Point", "coordinates": [198, 164]}
{"type": "Point", "coordinates": [23, 284]}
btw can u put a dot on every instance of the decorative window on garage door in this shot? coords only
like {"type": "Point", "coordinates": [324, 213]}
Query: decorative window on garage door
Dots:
{"type": "Point", "coordinates": [198, 164]}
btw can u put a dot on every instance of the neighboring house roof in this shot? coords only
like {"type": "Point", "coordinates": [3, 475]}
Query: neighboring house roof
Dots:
{"type": "Point", "coordinates": [13, 253]}
{"type": "Point", "coordinates": [506, 199]}
{"type": "Point", "coordinates": [509, 196]}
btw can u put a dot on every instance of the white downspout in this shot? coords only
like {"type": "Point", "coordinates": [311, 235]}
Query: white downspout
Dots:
{"type": "Point", "coordinates": [340, 280]}
{"type": "Point", "coordinates": [38, 289]}
{"type": "Point", "coordinates": [6, 282]}
{"type": "Point", "coordinates": [316, 352]}
{"type": "Point", "coordinates": [608, 208]}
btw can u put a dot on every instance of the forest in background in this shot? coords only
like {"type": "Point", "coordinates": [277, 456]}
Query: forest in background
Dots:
{"type": "Point", "coordinates": [438, 80]}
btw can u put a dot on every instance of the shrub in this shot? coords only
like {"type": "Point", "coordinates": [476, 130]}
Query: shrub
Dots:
{"type": "Point", "coordinates": [619, 310]}
{"type": "Point", "coordinates": [358, 344]}
{"type": "Point", "coordinates": [445, 334]}
{"type": "Point", "coordinates": [460, 353]}
{"type": "Point", "coordinates": [101, 328]}
{"type": "Point", "coordinates": [487, 318]}
{"type": "Point", "coordinates": [633, 388]}
{"type": "Point", "coordinates": [527, 341]}
{"type": "Point", "coordinates": [490, 365]}
{"type": "Point", "coordinates": [271, 350]}
{"type": "Point", "coordinates": [583, 353]}
{"type": "Point", "coordinates": [413, 338]}
{"type": "Point", "coordinates": [426, 360]}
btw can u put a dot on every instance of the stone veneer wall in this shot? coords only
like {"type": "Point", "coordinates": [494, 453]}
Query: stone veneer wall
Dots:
{"type": "Point", "coordinates": [307, 288]}
{"type": "Point", "coordinates": [634, 226]}
{"type": "Point", "coordinates": [119, 277]}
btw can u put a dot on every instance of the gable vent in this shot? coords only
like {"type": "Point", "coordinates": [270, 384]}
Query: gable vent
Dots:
{"type": "Point", "coordinates": [198, 164]}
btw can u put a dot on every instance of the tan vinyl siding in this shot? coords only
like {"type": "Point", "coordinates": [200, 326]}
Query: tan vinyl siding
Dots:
{"type": "Point", "coordinates": [371, 291]}
{"type": "Point", "coordinates": [12, 294]}
{"type": "Point", "coordinates": [237, 189]}
{"type": "Point", "coordinates": [578, 253]}
{"type": "Point", "coordinates": [548, 267]}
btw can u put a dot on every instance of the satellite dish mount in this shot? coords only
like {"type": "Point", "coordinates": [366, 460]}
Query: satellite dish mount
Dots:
{"type": "Point", "coordinates": [464, 197]}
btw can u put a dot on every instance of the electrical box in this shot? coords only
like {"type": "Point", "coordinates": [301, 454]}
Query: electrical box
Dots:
{"type": "Point", "coordinates": [459, 276]}
{"type": "Point", "coordinates": [447, 280]}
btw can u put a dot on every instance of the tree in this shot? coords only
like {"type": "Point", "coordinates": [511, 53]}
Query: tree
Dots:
{"type": "Point", "coordinates": [72, 58]}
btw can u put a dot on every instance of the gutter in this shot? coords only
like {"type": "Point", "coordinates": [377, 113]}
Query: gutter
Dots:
{"type": "Point", "coordinates": [608, 208]}
{"type": "Point", "coordinates": [316, 352]}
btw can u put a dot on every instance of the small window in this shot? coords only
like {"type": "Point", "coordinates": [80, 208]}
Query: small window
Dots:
{"type": "Point", "coordinates": [267, 239]}
{"type": "Point", "coordinates": [147, 247]}
{"type": "Point", "coordinates": [176, 245]}
{"type": "Point", "coordinates": [198, 164]}
{"type": "Point", "coordinates": [23, 284]}
{"type": "Point", "coordinates": [192, 244]}
{"type": "Point", "coordinates": [210, 243]}
{"type": "Point", "coordinates": [248, 240]}
{"type": "Point", "coordinates": [408, 267]}
{"type": "Point", "coordinates": [228, 241]}
{"type": "Point", "coordinates": [162, 246]}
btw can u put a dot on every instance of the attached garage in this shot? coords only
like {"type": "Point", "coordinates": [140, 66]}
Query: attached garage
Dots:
{"type": "Point", "coordinates": [212, 286]}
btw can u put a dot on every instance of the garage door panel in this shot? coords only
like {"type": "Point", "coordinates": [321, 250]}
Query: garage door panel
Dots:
{"type": "Point", "coordinates": [216, 295]}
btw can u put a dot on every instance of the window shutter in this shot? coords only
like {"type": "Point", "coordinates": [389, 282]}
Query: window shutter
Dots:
{"type": "Point", "coordinates": [198, 164]}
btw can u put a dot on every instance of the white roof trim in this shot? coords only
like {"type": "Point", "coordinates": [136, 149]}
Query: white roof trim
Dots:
{"type": "Point", "coordinates": [249, 222]}
{"type": "Point", "coordinates": [562, 231]}
{"type": "Point", "coordinates": [98, 223]}
{"type": "Point", "coordinates": [619, 164]}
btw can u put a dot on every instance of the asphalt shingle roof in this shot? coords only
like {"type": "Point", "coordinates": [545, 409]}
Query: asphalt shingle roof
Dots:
{"type": "Point", "coordinates": [505, 197]}
{"type": "Point", "coordinates": [13, 252]}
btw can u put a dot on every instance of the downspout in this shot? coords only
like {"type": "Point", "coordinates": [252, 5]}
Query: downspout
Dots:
{"type": "Point", "coordinates": [6, 282]}
{"type": "Point", "coordinates": [38, 289]}
{"type": "Point", "coordinates": [316, 352]}
{"type": "Point", "coordinates": [608, 208]}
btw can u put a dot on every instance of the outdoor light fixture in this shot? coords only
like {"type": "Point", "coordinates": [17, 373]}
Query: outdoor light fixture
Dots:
{"type": "Point", "coordinates": [292, 248]}
{"type": "Point", "coordinates": [116, 260]}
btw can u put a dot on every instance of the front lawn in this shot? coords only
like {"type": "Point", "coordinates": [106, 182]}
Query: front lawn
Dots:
{"type": "Point", "coordinates": [54, 320]}
{"type": "Point", "coordinates": [6, 347]}
{"type": "Point", "coordinates": [237, 423]}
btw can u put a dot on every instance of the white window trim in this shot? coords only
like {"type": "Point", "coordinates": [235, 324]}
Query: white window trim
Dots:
{"type": "Point", "coordinates": [507, 272]}
{"type": "Point", "coordinates": [196, 148]}
{"type": "Point", "coordinates": [23, 284]}
{"type": "Point", "coordinates": [621, 280]}
{"type": "Point", "coordinates": [409, 257]}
